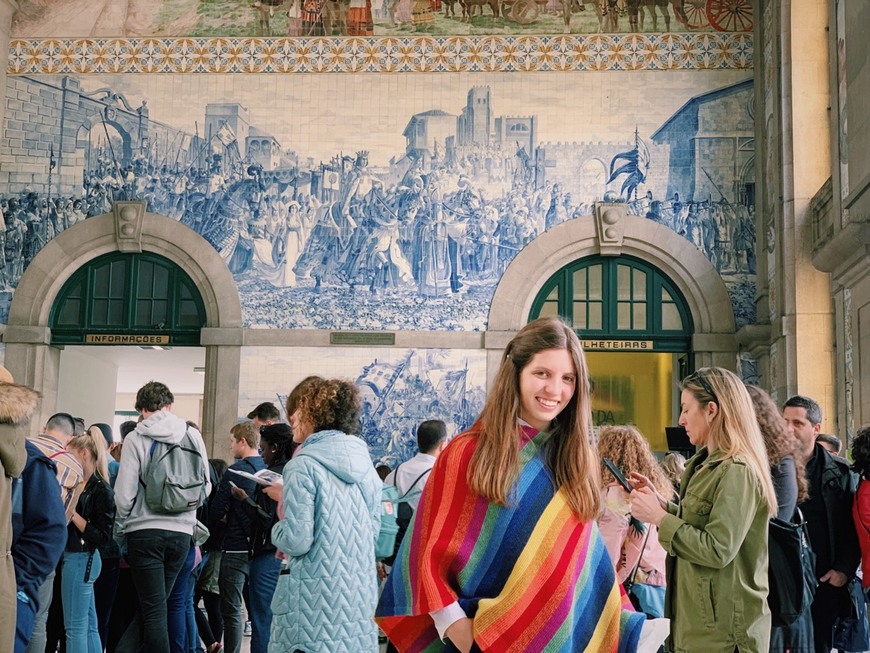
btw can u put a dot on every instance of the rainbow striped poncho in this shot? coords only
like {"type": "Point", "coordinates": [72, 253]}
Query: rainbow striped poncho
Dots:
{"type": "Point", "coordinates": [533, 577]}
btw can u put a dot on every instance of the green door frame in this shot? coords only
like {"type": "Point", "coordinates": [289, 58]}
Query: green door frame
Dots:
{"type": "Point", "coordinates": [128, 293]}
{"type": "Point", "coordinates": [637, 313]}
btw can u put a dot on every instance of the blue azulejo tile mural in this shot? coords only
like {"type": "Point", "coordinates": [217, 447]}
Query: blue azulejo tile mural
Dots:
{"type": "Point", "coordinates": [382, 201]}
{"type": "Point", "coordinates": [399, 388]}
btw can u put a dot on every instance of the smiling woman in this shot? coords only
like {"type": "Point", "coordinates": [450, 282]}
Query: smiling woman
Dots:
{"type": "Point", "coordinates": [521, 484]}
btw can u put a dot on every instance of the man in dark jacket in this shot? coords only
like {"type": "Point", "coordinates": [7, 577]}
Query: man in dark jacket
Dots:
{"type": "Point", "coordinates": [234, 568]}
{"type": "Point", "coordinates": [39, 536]}
{"type": "Point", "coordinates": [828, 513]}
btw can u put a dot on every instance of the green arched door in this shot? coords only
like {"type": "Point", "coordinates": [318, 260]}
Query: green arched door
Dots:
{"type": "Point", "coordinates": [128, 299]}
{"type": "Point", "coordinates": [636, 329]}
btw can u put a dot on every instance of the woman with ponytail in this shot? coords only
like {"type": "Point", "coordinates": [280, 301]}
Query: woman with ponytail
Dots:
{"type": "Point", "coordinates": [90, 528]}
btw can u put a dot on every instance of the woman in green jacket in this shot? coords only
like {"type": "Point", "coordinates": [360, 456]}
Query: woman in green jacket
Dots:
{"type": "Point", "coordinates": [716, 537]}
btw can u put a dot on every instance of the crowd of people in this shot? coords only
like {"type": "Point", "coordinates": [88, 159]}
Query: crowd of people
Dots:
{"type": "Point", "coordinates": [527, 532]}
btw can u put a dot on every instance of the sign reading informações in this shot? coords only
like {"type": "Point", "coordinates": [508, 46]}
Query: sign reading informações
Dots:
{"type": "Point", "coordinates": [124, 339]}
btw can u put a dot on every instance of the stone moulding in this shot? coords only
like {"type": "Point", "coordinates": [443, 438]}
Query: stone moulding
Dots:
{"type": "Point", "coordinates": [387, 54]}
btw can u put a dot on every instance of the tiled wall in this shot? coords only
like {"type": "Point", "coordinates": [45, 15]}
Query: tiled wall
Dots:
{"type": "Point", "coordinates": [399, 388]}
{"type": "Point", "coordinates": [374, 201]}
{"type": "Point", "coordinates": [378, 183]}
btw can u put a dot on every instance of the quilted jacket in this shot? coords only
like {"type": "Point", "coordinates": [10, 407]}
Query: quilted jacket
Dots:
{"type": "Point", "coordinates": [325, 602]}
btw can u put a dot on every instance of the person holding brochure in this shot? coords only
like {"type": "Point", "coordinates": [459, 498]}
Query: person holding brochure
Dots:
{"type": "Point", "coordinates": [276, 444]}
{"type": "Point", "coordinates": [234, 568]}
{"type": "Point", "coordinates": [327, 592]}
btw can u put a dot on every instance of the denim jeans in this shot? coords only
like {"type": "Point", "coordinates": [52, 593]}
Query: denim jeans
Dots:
{"type": "Point", "coordinates": [155, 557]}
{"type": "Point", "coordinates": [192, 641]}
{"type": "Point", "coordinates": [234, 572]}
{"type": "Point", "coordinates": [80, 570]}
{"type": "Point", "coordinates": [264, 578]}
{"type": "Point", "coordinates": [176, 606]}
{"type": "Point", "coordinates": [43, 603]}
{"type": "Point", "coordinates": [24, 617]}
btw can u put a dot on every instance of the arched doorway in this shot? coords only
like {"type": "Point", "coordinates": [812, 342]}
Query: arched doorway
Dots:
{"type": "Point", "coordinates": [692, 282]}
{"type": "Point", "coordinates": [636, 330]}
{"type": "Point", "coordinates": [31, 353]}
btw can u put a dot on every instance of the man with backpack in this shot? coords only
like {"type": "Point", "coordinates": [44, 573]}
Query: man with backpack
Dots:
{"type": "Point", "coordinates": [163, 479]}
{"type": "Point", "coordinates": [410, 477]}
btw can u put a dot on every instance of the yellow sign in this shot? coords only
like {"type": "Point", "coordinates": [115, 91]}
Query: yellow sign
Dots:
{"type": "Point", "coordinates": [619, 345]}
{"type": "Point", "coordinates": [124, 339]}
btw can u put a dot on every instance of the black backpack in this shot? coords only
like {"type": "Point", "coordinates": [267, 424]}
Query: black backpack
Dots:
{"type": "Point", "coordinates": [404, 513]}
{"type": "Point", "coordinates": [792, 569]}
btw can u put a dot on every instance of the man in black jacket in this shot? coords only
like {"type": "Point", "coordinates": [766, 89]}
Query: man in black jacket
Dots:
{"type": "Point", "coordinates": [234, 568]}
{"type": "Point", "coordinates": [828, 513]}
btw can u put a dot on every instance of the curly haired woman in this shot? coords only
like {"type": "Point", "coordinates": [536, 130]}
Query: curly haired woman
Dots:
{"type": "Point", "coordinates": [327, 593]}
{"type": "Point", "coordinates": [629, 541]}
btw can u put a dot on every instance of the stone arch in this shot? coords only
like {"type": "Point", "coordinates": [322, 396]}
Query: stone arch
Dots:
{"type": "Point", "coordinates": [34, 362]}
{"type": "Point", "coordinates": [714, 341]}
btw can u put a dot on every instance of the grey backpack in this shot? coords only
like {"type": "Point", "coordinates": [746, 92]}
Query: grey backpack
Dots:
{"type": "Point", "coordinates": [175, 479]}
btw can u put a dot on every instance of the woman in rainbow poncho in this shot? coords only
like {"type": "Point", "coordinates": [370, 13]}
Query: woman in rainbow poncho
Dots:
{"type": "Point", "coordinates": [504, 553]}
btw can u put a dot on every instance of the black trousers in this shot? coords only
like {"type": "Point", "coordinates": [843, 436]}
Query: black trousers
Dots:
{"type": "Point", "coordinates": [830, 602]}
{"type": "Point", "coordinates": [155, 558]}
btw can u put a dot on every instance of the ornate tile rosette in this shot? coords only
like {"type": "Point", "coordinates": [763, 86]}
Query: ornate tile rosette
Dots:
{"type": "Point", "coordinates": [387, 54]}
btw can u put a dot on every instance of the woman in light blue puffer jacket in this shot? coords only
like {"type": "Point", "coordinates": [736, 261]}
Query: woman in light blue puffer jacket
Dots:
{"type": "Point", "coordinates": [327, 593]}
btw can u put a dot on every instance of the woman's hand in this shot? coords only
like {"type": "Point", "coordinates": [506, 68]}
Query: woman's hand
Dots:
{"type": "Point", "coordinates": [639, 481]}
{"type": "Point", "coordinates": [238, 493]}
{"type": "Point", "coordinates": [274, 491]}
{"type": "Point", "coordinates": [646, 507]}
{"type": "Point", "coordinates": [461, 634]}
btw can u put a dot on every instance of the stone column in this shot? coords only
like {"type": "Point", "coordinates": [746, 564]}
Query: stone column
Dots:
{"type": "Point", "coordinates": [35, 364]}
{"type": "Point", "coordinates": [800, 299]}
{"type": "Point", "coordinates": [220, 409]}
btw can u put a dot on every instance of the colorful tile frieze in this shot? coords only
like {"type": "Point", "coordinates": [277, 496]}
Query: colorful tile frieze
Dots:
{"type": "Point", "coordinates": [422, 54]}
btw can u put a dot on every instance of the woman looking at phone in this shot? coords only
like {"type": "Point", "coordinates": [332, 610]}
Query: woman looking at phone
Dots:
{"type": "Point", "coordinates": [717, 535]}
{"type": "Point", "coordinates": [633, 545]}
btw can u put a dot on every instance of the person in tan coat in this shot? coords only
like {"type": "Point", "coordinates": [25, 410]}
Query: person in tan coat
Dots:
{"type": "Point", "coordinates": [17, 404]}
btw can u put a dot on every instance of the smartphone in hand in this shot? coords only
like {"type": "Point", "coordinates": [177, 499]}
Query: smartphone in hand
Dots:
{"type": "Point", "coordinates": [617, 475]}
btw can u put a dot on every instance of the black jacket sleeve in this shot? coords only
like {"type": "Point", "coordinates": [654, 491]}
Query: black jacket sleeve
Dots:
{"type": "Point", "coordinates": [99, 513]}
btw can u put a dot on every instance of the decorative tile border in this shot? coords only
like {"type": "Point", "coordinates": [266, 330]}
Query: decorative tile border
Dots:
{"type": "Point", "coordinates": [598, 52]}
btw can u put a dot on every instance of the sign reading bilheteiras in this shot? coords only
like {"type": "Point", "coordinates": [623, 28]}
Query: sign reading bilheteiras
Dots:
{"type": "Point", "coordinates": [125, 339]}
{"type": "Point", "coordinates": [618, 345]}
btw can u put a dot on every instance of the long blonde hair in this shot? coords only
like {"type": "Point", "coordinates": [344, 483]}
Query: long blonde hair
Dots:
{"type": "Point", "coordinates": [93, 441]}
{"type": "Point", "coordinates": [495, 464]}
{"type": "Point", "coordinates": [734, 429]}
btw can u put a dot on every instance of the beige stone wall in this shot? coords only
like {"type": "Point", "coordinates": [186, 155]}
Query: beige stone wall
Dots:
{"type": "Point", "coordinates": [842, 212]}
{"type": "Point", "coordinates": [794, 130]}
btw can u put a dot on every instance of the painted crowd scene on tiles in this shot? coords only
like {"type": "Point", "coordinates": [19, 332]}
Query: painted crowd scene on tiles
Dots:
{"type": "Point", "coordinates": [307, 18]}
{"type": "Point", "coordinates": [376, 201]}
{"type": "Point", "coordinates": [398, 388]}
